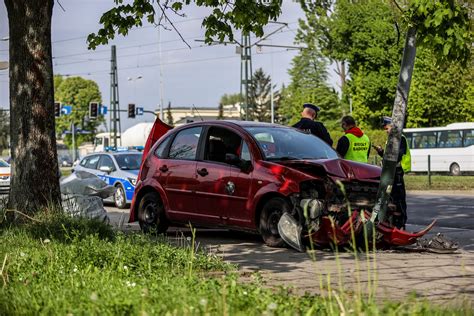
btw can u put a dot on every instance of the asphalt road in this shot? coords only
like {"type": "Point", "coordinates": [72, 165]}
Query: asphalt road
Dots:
{"type": "Point", "coordinates": [454, 215]}
{"type": "Point", "coordinates": [451, 211]}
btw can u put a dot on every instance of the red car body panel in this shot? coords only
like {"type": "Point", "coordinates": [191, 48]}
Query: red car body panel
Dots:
{"type": "Point", "coordinates": [180, 186]}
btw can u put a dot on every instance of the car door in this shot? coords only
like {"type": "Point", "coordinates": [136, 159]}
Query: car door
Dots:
{"type": "Point", "coordinates": [106, 161]}
{"type": "Point", "coordinates": [178, 175]}
{"type": "Point", "coordinates": [214, 193]}
{"type": "Point", "coordinates": [239, 212]}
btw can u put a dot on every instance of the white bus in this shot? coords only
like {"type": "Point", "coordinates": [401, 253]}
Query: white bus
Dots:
{"type": "Point", "coordinates": [451, 148]}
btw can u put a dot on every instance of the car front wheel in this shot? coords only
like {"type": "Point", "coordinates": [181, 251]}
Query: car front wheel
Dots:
{"type": "Point", "coordinates": [269, 218]}
{"type": "Point", "coordinates": [120, 198]}
{"type": "Point", "coordinates": [151, 214]}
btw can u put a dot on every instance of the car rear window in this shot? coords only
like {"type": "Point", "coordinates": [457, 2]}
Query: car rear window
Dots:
{"type": "Point", "coordinates": [3, 164]}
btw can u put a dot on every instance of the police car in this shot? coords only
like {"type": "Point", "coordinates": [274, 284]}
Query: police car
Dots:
{"type": "Point", "coordinates": [4, 177]}
{"type": "Point", "coordinates": [116, 168]}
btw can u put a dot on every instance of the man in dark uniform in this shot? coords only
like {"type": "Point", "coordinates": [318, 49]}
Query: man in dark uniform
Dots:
{"type": "Point", "coordinates": [404, 165]}
{"type": "Point", "coordinates": [307, 123]}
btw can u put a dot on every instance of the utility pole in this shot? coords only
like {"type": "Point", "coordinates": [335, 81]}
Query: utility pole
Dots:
{"type": "Point", "coordinates": [161, 75]}
{"type": "Point", "coordinates": [115, 125]}
{"type": "Point", "coordinates": [245, 75]}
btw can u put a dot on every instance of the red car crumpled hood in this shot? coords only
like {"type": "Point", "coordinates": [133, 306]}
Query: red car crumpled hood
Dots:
{"type": "Point", "coordinates": [337, 167]}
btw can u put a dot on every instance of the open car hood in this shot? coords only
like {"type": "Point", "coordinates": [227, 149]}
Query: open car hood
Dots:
{"type": "Point", "coordinates": [336, 167]}
{"type": "Point", "coordinates": [159, 129]}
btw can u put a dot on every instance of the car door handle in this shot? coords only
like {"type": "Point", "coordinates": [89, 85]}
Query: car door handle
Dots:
{"type": "Point", "coordinates": [203, 172]}
{"type": "Point", "coordinates": [163, 168]}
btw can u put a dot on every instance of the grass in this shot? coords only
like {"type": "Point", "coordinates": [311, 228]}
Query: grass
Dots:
{"type": "Point", "coordinates": [439, 182]}
{"type": "Point", "coordinates": [59, 265]}
{"type": "Point", "coordinates": [66, 171]}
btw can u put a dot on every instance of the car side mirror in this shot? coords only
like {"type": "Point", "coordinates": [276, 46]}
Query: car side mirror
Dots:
{"type": "Point", "coordinates": [105, 169]}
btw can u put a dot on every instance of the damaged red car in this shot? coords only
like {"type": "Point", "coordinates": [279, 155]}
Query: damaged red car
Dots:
{"type": "Point", "coordinates": [246, 175]}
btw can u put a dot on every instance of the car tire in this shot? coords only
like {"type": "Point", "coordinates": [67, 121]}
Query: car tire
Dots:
{"type": "Point", "coordinates": [120, 198]}
{"type": "Point", "coordinates": [151, 214]}
{"type": "Point", "coordinates": [269, 217]}
{"type": "Point", "coordinates": [454, 169]}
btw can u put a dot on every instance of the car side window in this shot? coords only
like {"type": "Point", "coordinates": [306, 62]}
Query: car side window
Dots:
{"type": "Point", "coordinates": [220, 142]}
{"type": "Point", "coordinates": [160, 150]}
{"type": "Point", "coordinates": [185, 144]}
{"type": "Point", "coordinates": [92, 162]}
{"type": "Point", "coordinates": [106, 161]}
{"type": "Point", "coordinates": [84, 161]}
{"type": "Point", "coordinates": [245, 153]}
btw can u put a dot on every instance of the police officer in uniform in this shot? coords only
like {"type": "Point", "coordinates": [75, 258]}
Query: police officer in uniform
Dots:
{"type": "Point", "coordinates": [307, 123]}
{"type": "Point", "coordinates": [404, 165]}
{"type": "Point", "coordinates": [354, 145]}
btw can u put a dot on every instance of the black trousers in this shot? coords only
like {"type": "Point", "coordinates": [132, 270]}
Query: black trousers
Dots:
{"type": "Point", "coordinates": [399, 197]}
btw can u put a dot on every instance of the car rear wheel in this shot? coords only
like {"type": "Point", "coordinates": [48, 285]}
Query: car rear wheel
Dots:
{"type": "Point", "coordinates": [454, 169]}
{"type": "Point", "coordinates": [269, 218]}
{"type": "Point", "coordinates": [120, 198]}
{"type": "Point", "coordinates": [151, 214]}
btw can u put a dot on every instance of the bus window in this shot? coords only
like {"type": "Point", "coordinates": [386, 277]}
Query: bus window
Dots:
{"type": "Point", "coordinates": [468, 137]}
{"type": "Point", "coordinates": [409, 137]}
{"type": "Point", "coordinates": [424, 140]}
{"type": "Point", "coordinates": [449, 139]}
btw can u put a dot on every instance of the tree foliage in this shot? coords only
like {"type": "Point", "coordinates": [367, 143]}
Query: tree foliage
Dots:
{"type": "Point", "coordinates": [260, 97]}
{"type": "Point", "coordinates": [169, 115]}
{"type": "Point", "coordinates": [309, 85]}
{"type": "Point", "coordinates": [77, 92]}
{"type": "Point", "coordinates": [230, 99]}
{"type": "Point", "coordinates": [365, 35]}
{"type": "Point", "coordinates": [441, 93]}
{"type": "Point", "coordinates": [249, 16]}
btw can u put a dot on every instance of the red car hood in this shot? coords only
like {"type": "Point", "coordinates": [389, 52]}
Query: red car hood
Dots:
{"type": "Point", "coordinates": [337, 167]}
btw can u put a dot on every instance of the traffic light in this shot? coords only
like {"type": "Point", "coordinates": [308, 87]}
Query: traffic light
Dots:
{"type": "Point", "coordinates": [57, 109]}
{"type": "Point", "coordinates": [93, 109]}
{"type": "Point", "coordinates": [131, 110]}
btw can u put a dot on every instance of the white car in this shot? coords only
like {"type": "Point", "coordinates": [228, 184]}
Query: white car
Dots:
{"type": "Point", "coordinates": [4, 177]}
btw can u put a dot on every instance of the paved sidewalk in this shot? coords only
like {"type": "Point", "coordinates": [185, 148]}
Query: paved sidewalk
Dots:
{"type": "Point", "coordinates": [392, 274]}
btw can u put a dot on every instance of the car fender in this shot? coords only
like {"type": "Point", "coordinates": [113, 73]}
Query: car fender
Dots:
{"type": "Point", "coordinates": [141, 189]}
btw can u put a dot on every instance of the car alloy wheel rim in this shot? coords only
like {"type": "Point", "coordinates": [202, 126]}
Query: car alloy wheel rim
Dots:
{"type": "Point", "coordinates": [455, 169]}
{"type": "Point", "coordinates": [119, 197]}
{"type": "Point", "coordinates": [150, 213]}
{"type": "Point", "coordinates": [273, 222]}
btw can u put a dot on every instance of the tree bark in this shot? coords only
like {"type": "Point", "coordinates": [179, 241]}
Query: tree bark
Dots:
{"type": "Point", "coordinates": [35, 181]}
{"type": "Point", "coordinates": [398, 120]}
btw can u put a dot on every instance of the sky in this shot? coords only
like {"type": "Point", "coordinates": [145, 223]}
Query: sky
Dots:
{"type": "Point", "coordinates": [198, 76]}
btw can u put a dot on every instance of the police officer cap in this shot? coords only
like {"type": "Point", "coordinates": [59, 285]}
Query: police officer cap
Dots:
{"type": "Point", "coordinates": [386, 120]}
{"type": "Point", "coordinates": [312, 107]}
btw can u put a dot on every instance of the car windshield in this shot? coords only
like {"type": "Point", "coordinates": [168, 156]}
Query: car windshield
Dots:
{"type": "Point", "coordinates": [129, 161]}
{"type": "Point", "coordinates": [280, 143]}
{"type": "Point", "coordinates": [3, 163]}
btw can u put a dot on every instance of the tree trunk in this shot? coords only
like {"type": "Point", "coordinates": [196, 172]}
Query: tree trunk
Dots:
{"type": "Point", "coordinates": [398, 119]}
{"type": "Point", "coordinates": [35, 181]}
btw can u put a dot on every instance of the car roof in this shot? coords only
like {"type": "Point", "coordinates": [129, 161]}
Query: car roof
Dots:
{"type": "Point", "coordinates": [114, 153]}
{"type": "Point", "coordinates": [233, 123]}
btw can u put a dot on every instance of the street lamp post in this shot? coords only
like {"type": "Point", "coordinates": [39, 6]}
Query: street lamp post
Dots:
{"type": "Point", "coordinates": [133, 80]}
